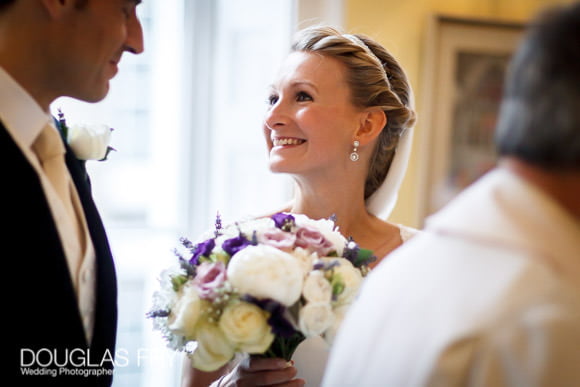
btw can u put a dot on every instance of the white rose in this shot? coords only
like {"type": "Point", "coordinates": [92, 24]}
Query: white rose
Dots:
{"type": "Point", "coordinates": [258, 225]}
{"type": "Point", "coordinates": [166, 296]}
{"type": "Point", "coordinates": [246, 326]}
{"type": "Point", "coordinates": [331, 332]}
{"type": "Point", "coordinates": [266, 272]}
{"type": "Point", "coordinates": [327, 228]}
{"type": "Point", "coordinates": [305, 258]}
{"type": "Point", "coordinates": [315, 318]}
{"type": "Point", "coordinates": [350, 276]}
{"type": "Point", "coordinates": [213, 349]}
{"type": "Point", "coordinates": [185, 313]}
{"type": "Point", "coordinates": [232, 230]}
{"type": "Point", "coordinates": [316, 287]}
{"type": "Point", "coordinates": [89, 142]}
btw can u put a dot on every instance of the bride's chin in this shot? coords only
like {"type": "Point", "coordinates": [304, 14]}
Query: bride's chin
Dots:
{"type": "Point", "coordinates": [279, 166]}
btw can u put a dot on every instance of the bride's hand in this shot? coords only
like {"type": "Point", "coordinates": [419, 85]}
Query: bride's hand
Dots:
{"type": "Point", "coordinates": [257, 371]}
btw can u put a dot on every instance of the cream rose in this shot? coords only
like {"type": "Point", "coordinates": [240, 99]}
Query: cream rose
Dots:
{"type": "Point", "coordinates": [350, 276]}
{"type": "Point", "coordinates": [315, 318]}
{"type": "Point", "coordinates": [185, 313]}
{"type": "Point", "coordinates": [213, 348]}
{"type": "Point", "coordinates": [89, 142]}
{"type": "Point", "coordinates": [305, 258]}
{"type": "Point", "coordinates": [266, 272]}
{"type": "Point", "coordinates": [331, 332]}
{"type": "Point", "coordinates": [259, 225]}
{"type": "Point", "coordinates": [316, 287]}
{"type": "Point", "coordinates": [246, 326]}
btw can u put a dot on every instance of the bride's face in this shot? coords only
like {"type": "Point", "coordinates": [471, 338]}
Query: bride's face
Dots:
{"type": "Point", "coordinates": [310, 122]}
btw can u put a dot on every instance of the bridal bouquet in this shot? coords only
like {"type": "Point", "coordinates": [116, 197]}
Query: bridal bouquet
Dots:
{"type": "Point", "coordinates": [258, 287]}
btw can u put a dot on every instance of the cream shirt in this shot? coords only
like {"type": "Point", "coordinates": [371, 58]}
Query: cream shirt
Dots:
{"type": "Point", "coordinates": [487, 295]}
{"type": "Point", "coordinates": [24, 120]}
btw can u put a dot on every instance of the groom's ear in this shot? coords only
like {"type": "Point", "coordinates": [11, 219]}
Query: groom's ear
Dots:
{"type": "Point", "coordinates": [57, 8]}
{"type": "Point", "coordinates": [372, 122]}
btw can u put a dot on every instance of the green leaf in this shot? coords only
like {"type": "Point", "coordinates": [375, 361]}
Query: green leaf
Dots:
{"type": "Point", "coordinates": [284, 347]}
{"type": "Point", "coordinates": [178, 281]}
{"type": "Point", "coordinates": [337, 284]}
{"type": "Point", "coordinates": [220, 256]}
{"type": "Point", "coordinates": [364, 257]}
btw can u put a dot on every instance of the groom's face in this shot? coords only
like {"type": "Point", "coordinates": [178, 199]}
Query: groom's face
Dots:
{"type": "Point", "coordinates": [100, 32]}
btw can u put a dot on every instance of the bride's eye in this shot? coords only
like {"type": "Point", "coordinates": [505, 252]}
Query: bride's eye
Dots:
{"type": "Point", "coordinates": [302, 96]}
{"type": "Point", "coordinates": [272, 99]}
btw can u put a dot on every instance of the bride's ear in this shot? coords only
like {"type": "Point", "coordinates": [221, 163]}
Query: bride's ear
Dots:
{"type": "Point", "coordinates": [373, 120]}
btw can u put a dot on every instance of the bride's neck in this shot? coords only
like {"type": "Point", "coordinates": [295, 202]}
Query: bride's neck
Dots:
{"type": "Point", "coordinates": [343, 201]}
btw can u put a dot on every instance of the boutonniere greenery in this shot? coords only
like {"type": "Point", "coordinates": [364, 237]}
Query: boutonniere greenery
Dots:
{"type": "Point", "coordinates": [88, 141]}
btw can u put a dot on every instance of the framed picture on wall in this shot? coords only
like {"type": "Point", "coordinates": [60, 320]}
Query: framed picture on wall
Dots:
{"type": "Point", "coordinates": [465, 64]}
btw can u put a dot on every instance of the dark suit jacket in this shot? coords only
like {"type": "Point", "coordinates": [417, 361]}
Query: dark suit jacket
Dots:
{"type": "Point", "coordinates": [42, 317]}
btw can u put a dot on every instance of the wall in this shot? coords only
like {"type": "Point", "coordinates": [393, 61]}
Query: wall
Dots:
{"type": "Point", "coordinates": [401, 26]}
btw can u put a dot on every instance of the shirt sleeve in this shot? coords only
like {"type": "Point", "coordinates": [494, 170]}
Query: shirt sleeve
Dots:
{"type": "Point", "coordinates": [540, 348]}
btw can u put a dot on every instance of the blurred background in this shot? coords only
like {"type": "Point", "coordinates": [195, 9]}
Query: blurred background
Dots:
{"type": "Point", "coordinates": [187, 117]}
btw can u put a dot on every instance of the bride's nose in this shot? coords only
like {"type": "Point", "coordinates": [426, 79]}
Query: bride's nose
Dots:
{"type": "Point", "coordinates": [277, 116]}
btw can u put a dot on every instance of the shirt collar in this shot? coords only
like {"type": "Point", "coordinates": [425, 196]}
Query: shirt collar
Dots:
{"type": "Point", "coordinates": [19, 112]}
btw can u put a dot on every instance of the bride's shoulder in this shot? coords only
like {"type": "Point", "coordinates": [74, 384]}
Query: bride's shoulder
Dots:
{"type": "Point", "coordinates": [404, 232]}
{"type": "Point", "coordinates": [407, 232]}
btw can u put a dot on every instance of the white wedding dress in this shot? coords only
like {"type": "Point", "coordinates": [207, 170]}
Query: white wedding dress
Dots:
{"type": "Point", "coordinates": [312, 354]}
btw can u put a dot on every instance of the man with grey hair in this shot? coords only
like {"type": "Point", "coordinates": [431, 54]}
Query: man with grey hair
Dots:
{"type": "Point", "coordinates": [489, 294]}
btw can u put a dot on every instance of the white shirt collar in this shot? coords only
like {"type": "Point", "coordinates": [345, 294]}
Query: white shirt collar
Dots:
{"type": "Point", "coordinates": [19, 112]}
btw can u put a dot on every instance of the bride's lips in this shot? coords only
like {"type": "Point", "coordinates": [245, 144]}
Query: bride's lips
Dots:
{"type": "Point", "coordinates": [287, 141]}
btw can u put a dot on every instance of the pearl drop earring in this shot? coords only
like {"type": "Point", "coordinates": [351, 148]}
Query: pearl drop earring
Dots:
{"type": "Point", "coordinates": [354, 155]}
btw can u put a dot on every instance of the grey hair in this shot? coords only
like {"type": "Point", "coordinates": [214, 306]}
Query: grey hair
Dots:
{"type": "Point", "coordinates": [375, 79]}
{"type": "Point", "coordinates": [540, 113]}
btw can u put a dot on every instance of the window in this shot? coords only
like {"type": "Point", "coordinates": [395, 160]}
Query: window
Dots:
{"type": "Point", "coordinates": [187, 116]}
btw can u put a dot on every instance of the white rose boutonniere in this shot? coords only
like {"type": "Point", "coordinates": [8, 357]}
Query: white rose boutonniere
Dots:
{"type": "Point", "coordinates": [88, 141]}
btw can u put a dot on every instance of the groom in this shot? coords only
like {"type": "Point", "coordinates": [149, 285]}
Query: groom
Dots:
{"type": "Point", "coordinates": [489, 294]}
{"type": "Point", "coordinates": [61, 311]}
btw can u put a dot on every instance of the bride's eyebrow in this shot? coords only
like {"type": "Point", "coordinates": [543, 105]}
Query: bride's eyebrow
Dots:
{"type": "Point", "coordinates": [304, 83]}
{"type": "Point", "coordinates": [294, 84]}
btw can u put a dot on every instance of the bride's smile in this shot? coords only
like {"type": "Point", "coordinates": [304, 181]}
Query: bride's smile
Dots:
{"type": "Point", "coordinates": [287, 141]}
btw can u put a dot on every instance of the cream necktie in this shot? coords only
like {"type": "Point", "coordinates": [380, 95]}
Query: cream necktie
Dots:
{"type": "Point", "coordinates": [50, 151]}
{"type": "Point", "coordinates": [70, 222]}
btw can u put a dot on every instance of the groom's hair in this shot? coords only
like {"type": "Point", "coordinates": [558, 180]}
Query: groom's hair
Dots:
{"type": "Point", "coordinates": [5, 3]}
{"type": "Point", "coordinates": [539, 119]}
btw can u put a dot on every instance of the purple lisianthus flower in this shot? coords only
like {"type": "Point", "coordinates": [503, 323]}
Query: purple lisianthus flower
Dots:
{"type": "Point", "coordinates": [278, 239]}
{"type": "Point", "coordinates": [311, 239]}
{"type": "Point", "coordinates": [202, 249]}
{"type": "Point", "coordinates": [210, 277]}
{"type": "Point", "coordinates": [283, 221]}
{"type": "Point", "coordinates": [233, 245]}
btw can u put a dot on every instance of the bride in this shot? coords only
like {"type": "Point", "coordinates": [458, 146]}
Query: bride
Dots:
{"type": "Point", "coordinates": [339, 122]}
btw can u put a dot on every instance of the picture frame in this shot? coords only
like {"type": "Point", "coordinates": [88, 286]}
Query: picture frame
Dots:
{"type": "Point", "coordinates": [465, 64]}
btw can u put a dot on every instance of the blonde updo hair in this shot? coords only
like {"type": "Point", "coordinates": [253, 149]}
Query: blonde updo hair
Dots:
{"type": "Point", "coordinates": [376, 80]}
